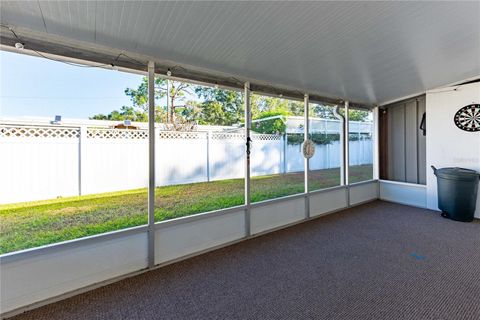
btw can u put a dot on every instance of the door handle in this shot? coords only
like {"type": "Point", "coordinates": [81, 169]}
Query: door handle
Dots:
{"type": "Point", "coordinates": [423, 126]}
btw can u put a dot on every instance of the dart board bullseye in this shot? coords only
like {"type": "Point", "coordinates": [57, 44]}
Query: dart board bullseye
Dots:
{"type": "Point", "coordinates": [468, 118]}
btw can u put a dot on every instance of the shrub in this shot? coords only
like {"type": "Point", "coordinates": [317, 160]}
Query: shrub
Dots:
{"type": "Point", "coordinates": [271, 126]}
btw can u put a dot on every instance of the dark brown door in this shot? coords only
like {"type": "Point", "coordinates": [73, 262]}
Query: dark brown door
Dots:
{"type": "Point", "coordinates": [383, 143]}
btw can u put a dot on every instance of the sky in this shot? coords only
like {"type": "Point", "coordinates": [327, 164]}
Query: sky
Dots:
{"type": "Point", "coordinates": [37, 87]}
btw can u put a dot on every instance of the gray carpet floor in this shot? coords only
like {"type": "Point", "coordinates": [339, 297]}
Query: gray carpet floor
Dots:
{"type": "Point", "coordinates": [376, 261]}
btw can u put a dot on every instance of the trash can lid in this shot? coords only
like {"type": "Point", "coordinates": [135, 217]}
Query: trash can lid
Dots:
{"type": "Point", "coordinates": [457, 174]}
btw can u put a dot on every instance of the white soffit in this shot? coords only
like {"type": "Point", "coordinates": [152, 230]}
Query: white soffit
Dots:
{"type": "Point", "coordinates": [365, 51]}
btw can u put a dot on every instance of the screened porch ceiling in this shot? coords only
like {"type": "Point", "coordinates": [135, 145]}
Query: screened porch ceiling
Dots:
{"type": "Point", "coordinates": [369, 53]}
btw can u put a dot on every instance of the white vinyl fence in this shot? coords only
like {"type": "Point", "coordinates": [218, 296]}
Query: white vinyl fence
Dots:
{"type": "Point", "coordinates": [46, 162]}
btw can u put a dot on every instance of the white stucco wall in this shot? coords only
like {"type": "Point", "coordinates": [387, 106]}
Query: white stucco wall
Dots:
{"type": "Point", "coordinates": [447, 145]}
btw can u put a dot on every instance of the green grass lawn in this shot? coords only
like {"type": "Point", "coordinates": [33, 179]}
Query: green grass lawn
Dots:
{"type": "Point", "coordinates": [32, 224]}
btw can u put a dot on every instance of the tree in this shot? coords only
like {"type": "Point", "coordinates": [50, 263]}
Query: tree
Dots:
{"type": "Point", "coordinates": [326, 112]}
{"type": "Point", "coordinates": [358, 115]}
{"type": "Point", "coordinates": [296, 108]}
{"type": "Point", "coordinates": [227, 105]}
{"type": "Point", "coordinates": [125, 113]}
{"type": "Point", "coordinates": [274, 122]}
{"type": "Point", "coordinates": [213, 113]}
{"type": "Point", "coordinates": [262, 104]}
{"type": "Point", "coordinates": [176, 92]}
{"type": "Point", "coordinates": [139, 96]}
{"type": "Point", "coordinates": [323, 111]}
{"type": "Point", "coordinates": [219, 107]}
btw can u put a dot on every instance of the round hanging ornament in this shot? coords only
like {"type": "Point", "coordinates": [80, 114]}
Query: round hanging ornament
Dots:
{"type": "Point", "coordinates": [308, 149]}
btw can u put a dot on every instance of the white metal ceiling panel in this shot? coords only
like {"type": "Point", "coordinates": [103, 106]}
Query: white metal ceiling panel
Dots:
{"type": "Point", "coordinates": [70, 18]}
{"type": "Point", "coordinates": [365, 51]}
{"type": "Point", "coordinates": [27, 14]}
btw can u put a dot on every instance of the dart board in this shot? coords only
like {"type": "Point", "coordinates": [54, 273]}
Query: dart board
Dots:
{"type": "Point", "coordinates": [468, 118]}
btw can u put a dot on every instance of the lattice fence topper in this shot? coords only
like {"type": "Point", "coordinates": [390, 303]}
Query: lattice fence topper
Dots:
{"type": "Point", "coordinates": [190, 135]}
{"type": "Point", "coordinates": [228, 136]}
{"type": "Point", "coordinates": [116, 134]}
{"type": "Point", "coordinates": [8, 131]}
{"type": "Point", "coordinates": [241, 136]}
{"type": "Point", "coordinates": [266, 136]}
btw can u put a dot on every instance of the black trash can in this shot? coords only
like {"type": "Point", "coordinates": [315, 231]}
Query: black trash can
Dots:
{"type": "Point", "coordinates": [457, 192]}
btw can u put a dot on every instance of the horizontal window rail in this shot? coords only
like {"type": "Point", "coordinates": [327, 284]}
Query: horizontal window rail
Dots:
{"type": "Point", "coordinates": [65, 245]}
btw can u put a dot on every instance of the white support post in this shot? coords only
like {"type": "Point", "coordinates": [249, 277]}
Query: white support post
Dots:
{"type": "Point", "coordinates": [327, 146]}
{"type": "Point", "coordinates": [151, 164]}
{"type": "Point", "coordinates": [209, 139]}
{"type": "Point", "coordinates": [168, 102]}
{"type": "Point", "coordinates": [376, 141]}
{"type": "Point", "coordinates": [346, 135]}
{"type": "Point", "coordinates": [346, 141]}
{"type": "Point", "coordinates": [306, 166]}
{"type": "Point", "coordinates": [284, 145]}
{"type": "Point", "coordinates": [248, 126]}
{"type": "Point", "coordinates": [81, 160]}
{"type": "Point", "coordinates": [342, 144]}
